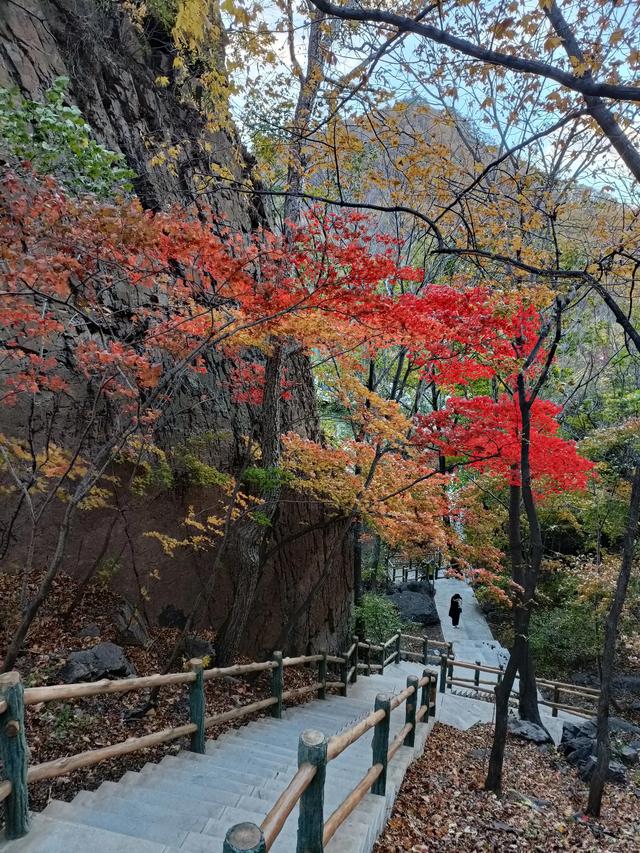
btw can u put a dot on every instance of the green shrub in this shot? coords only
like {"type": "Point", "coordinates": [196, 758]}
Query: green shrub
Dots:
{"type": "Point", "coordinates": [381, 618]}
{"type": "Point", "coordinates": [57, 141]}
{"type": "Point", "coordinates": [565, 638]}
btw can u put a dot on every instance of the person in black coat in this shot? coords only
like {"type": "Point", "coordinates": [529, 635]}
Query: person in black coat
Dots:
{"type": "Point", "coordinates": [455, 609]}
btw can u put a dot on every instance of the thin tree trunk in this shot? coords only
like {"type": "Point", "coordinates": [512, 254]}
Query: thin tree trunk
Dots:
{"type": "Point", "coordinates": [493, 782]}
{"type": "Point", "coordinates": [357, 575]}
{"type": "Point", "coordinates": [43, 591]}
{"type": "Point", "coordinates": [598, 779]}
{"type": "Point", "coordinates": [528, 702]}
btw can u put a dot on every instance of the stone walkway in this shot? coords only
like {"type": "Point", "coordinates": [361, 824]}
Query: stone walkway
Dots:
{"type": "Point", "coordinates": [473, 642]}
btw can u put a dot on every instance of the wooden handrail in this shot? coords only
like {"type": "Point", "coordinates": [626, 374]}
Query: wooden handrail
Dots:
{"type": "Point", "coordinates": [565, 687]}
{"type": "Point", "coordinates": [301, 691]}
{"type": "Point", "coordinates": [399, 698]}
{"type": "Point", "coordinates": [581, 712]}
{"type": "Point", "coordinates": [389, 659]}
{"type": "Point", "coordinates": [351, 650]}
{"type": "Point", "coordinates": [238, 713]}
{"type": "Point", "coordinates": [338, 743]}
{"type": "Point", "coordinates": [466, 665]}
{"type": "Point", "coordinates": [391, 640]}
{"type": "Point", "coordinates": [275, 819]}
{"type": "Point", "coordinates": [337, 818]}
{"type": "Point", "coordinates": [302, 659]}
{"type": "Point", "coordinates": [62, 766]}
{"type": "Point", "coordinates": [238, 669]}
{"type": "Point", "coordinates": [337, 684]}
{"type": "Point", "coordinates": [334, 659]}
{"type": "Point", "coordinates": [398, 740]}
{"type": "Point", "coordinates": [371, 646]}
{"type": "Point", "coordinates": [106, 686]}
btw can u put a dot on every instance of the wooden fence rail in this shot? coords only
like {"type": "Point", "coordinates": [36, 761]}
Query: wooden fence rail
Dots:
{"type": "Point", "coordinates": [315, 751]}
{"type": "Point", "coordinates": [14, 697]}
{"type": "Point", "coordinates": [306, 786]}
{"type": "Point", "coordinates": [447, 679]}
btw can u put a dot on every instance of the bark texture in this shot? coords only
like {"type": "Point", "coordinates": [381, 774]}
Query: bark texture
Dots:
{"type": "Point", "coordinates": [112, 67]}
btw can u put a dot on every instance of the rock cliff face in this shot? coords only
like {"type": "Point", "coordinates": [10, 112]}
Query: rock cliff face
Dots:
{"type": "Point", "coordinates": [113, 66]}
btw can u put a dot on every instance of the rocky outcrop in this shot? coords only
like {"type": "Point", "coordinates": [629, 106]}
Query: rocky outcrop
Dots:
{"type": "Point", "coordinates": [106, 660]}
{"type": "Point", "coordinates": [305, 590]}
{"type": "Point", "coordinates": [415, 602]}
{"type": "Point", "coordinates": [579, 745]}
{"type": "Point", "coordinates": [528, 731]}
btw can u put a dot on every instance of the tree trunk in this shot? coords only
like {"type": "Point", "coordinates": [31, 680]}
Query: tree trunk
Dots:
{"type": "Point", "coordinates": [357, 575]}
{"type": "Point", "coordinates": [598, 779]}
{"type": "Point", "coordinates": [528, 702]}
{"type": "Point", "coordinates": [493, 782]}
{"type": "Point", "coordinates": [250, 533]}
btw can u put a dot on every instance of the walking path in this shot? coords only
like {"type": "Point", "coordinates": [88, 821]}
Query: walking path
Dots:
{"type": "Point", "coordinates": [473, 642]}
{"type": "Point", "coordinates": [187, 802]}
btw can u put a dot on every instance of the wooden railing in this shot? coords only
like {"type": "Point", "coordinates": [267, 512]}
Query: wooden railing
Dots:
{"type": "Point", "coordinates": [430, 651]}
{"type": "Point", "coordinates": [315, 751]}
{"type": "Point", "coordinates": [447, 662]}
{"type": "Point", "coordinates": [14, 697]}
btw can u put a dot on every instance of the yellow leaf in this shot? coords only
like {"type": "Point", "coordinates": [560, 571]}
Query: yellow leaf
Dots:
{"type": "Point", "coordinates": [616, 36]}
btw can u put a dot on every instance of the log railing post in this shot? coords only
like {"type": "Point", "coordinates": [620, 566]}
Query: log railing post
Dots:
{"type": "Point", "coordinates": [432, 696]}
{"type": "Point", "coordinates": [322, 677]}
{"type": "Point", "coordinates": [398, 643]}
{"type": "Point", "coordinates": [425, 650]}
{"type": "Point", "coordinates": [410, 711]}
{"type": "Point", "coordinates": [356, 655]}
{"type": "Point", "coordinates": [500, 674]}
{"type": "Point", "coordinates": [367, 658]}
{"type": "Point", "coordinates": [381, 743]}
{"type": "Point", "coordinates": [476, 674]}
{"type": "Point", "coordinates": [450, 669]}
{"type": "Point", "coordinates": [277, 680]}
{"type": "Point", "coordinates": [425, 696]}
{"type": "Point", "coordinates": [15, 755]}
{"type": "Point", "coordinates": [197, 706]}
{"type": "Point", "coordinates": [312, 749]}
{"type": "Point", "coordinates": [344, 672]}
{"type": "Point", "coordinates": [443, 672]}
{"type": "Point", "coordinates": [244, 838]}
{"type": "Point", "coordinates": [556, 699]}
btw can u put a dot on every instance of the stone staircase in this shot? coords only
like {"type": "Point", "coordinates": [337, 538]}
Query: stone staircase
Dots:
{"type": "Point", "coordinates": [187, 802]}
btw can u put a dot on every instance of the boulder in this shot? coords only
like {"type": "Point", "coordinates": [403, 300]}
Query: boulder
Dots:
{"type": "Point", "coordinates": [131, 628]}
{"type": "Point", "coordinates": [581, 749]}
{"type": "Point", "coordinates": [172, 617]}
{"type": "Point", "coordinates": [91, 630]}
{"type": "Point", "coordinates": [615, 773]}
{"type": "Point", "coordinates": [415, 603]}
{"type": "Point", "coordinates": [629, 755]}
{"type": "Point", "coordinates": [528, 731]}
{"type": "Point", "coordinates": [569, 732]}
{"type": "Point", "coordinates": [194, 647]}
{"type": "Point", "coordinates": [106, 660]}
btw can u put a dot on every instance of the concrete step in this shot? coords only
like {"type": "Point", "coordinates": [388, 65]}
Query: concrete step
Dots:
{"type": "Point", "coordinates": [188, 802]}
{"type": "Point", "coordinates": [55, 835]}
{"type": "Point", "coordinates": [137, 825]}
{"type": "Point", "coordinates": [149, 795]}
